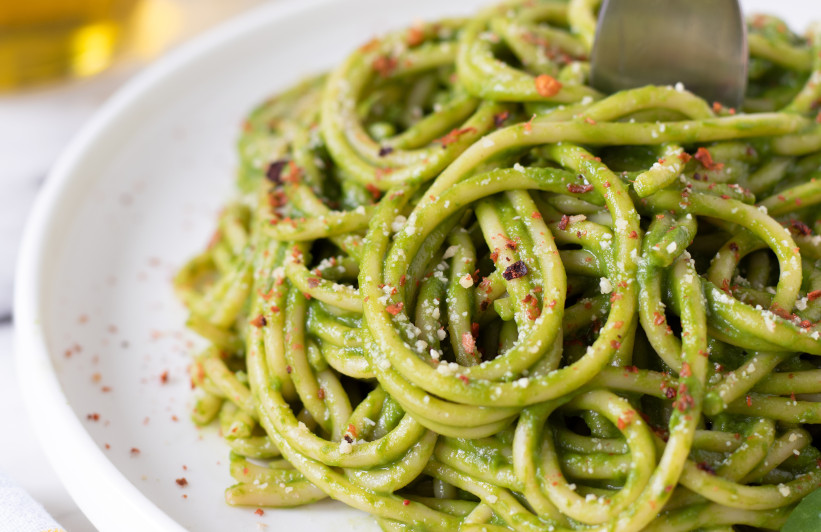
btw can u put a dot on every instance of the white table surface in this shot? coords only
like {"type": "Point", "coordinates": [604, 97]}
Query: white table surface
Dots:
{"type": "Point", "coordinates": [35, 126]}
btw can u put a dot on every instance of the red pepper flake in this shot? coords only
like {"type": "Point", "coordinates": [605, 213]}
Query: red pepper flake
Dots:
{"type": "Point", "coordinates": [536, 216]}
{"type": "Point", "coordinates": [749, 401]}
{"type": "Point", "coordinates": [725, 285]}
{"type": "Point", "coordinates": [685, 370]}
{"type": "Point", "coordinates": [707, 468]}
{"type": "Point", "coordinates": [703, 156]}
{"type": "Point", "coordinates": [669, 392]}
{"type": "Point", "coordinates": [625, 420]}
{"type": "Point", "coordinates": [801, 227]}
{"type": "Point", "coordinates": [515, 270]}
{"type": "Point", "coordinates": [590, 121]}
{"type": "Point", "coordinates": [500, 118]}
{"type": "Point", "coordinates": [547, 86]}
{"type": "Point", "coordinates": [468, 342]}
{"type": "Point", "coordinates": [294, 173]}
{"type": "Point", "coordinates": [313, 282]}
{"type": "Point", "coordinates": [406, 502]}
{"type": "Point", "coordinates": [94, 416]}
{"type": "Point", "coordinates": [181, 482]}
{"type": "Point", "coordinates": [574, 188]}
{"type": "Point", "coordinates": [564, 221]}
{"type": "Point", "coordinates": [685, 157]}
{"type": "Point", "coordinates": [259, 321]}
{"type": "Point", "coordinates": [454, 135]}
{"type": "Point", "coordinates": [805, 324]}
{"type": "Point", "coordinates": [684, 400]}
{"type": "Point", "coordinates": [320, 394]}
{"type": "Point", "coordinates": [495, 255]}
{"type": "Point", "coordinates": [815, 294]}
{"type": "Point", "coordinates": [615, 297]}
{"type": "Point", "coordinates": [633, 234]}
{"type": "Point", "coordinates": [288, 369]}
{"type": "Point", "coordinates": [135, 451]}
{"type": "Point", "coordinates": [474, 329]}
{"type": "Point", "coordinates": [266, 296]}
{"type": "Point", "coordinates": [375, 192]}
{"type": "Point", "coordinates": [615, 344]}
{"type": "Point", "coordinates": [385, 65]}
{"type": "Point", "coordinates": [415, 36]}
{"type": "Point", "coordinates": [259, 511]}
{"type": "Point", "coordinates": [717, 107]}
{"type": "Point", "coordinates": [818, 118]}
{"type": "Point", "coordinates": [395, 308]}
{"type": "Point", "coordinates": [352, 430]}
{"type": "Point", "coordinates": [463, 378]}
{"type": "Point", "coordinates": [274, 171]}
{"type": "Point", "coordinates": [402, 280]}
{"type": "Point", "coordinates": [528, 126]}
{"type": "Point", "coordinates": [105, 389]}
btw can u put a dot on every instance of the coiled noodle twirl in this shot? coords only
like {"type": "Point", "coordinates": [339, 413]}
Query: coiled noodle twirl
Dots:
{"type": "Point", "coordinates": [461, 289]}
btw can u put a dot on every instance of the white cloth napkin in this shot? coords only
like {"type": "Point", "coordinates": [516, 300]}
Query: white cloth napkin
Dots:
{"type": "Point", "coordinates": [20, 513]}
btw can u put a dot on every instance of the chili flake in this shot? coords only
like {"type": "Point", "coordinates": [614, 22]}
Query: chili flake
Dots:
{"type": "Point", "coordinates": [454, 135]}
{"type": "Point", "coordinates": [574, 188]}
{"type": "Point", "coordinates": [703, 156]}
{"type": "Point", "coordinates": [547, 86]}
{"type": "Point", "coordinates": [500, 118]}
{"type": "Point", "coordinates": [515, 270]}
{"type": "Point", "coordinates": [384, 65]}
{"type": "Point", "coordinates": [274, 171]}
{"type": "Point", "coordinates": [801, 227]}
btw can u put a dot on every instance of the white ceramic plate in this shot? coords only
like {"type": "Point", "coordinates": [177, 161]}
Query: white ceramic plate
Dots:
{"type": "Point", "coordinates": [135, 195]}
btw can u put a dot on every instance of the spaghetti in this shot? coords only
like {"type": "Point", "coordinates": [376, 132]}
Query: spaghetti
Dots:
{"type": "Point", "coordinates": [461, 289]}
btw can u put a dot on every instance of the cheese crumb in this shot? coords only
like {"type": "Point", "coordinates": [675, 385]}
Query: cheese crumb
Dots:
{"type": "Point", "coordinates": [605, 285]}
{"type": "Point", "coordinates": [398, 223]}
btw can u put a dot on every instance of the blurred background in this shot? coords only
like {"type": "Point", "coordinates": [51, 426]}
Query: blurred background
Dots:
{"type": "Point", "coordinates": [59, 61]}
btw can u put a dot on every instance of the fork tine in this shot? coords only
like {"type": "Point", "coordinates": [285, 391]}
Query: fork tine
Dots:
{"type": "Point", "coordinates": [700, 43]}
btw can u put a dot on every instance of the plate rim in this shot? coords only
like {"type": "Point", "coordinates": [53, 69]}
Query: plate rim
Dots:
{"type": "Point", "coordinates": [80, 464]}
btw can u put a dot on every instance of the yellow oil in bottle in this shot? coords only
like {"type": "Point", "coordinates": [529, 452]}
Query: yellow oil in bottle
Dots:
{"type": "Point", "coordinates": [47, 39]}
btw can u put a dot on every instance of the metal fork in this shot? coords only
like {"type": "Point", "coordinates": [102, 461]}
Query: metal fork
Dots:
{"type": "Point", "coordinates": [699, 43]}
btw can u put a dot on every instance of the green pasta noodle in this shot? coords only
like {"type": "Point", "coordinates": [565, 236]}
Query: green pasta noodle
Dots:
{"type": "Point", "coordinates": [460, 289]}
